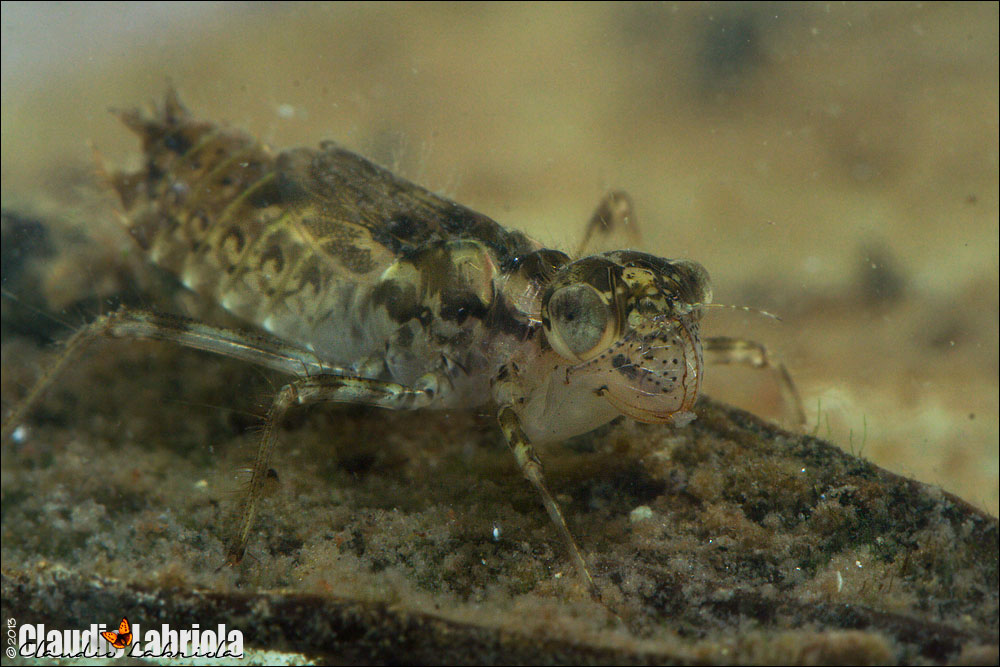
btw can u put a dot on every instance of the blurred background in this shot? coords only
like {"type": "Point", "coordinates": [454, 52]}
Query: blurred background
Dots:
{"type": "Point", "coordinates": [834, 164]}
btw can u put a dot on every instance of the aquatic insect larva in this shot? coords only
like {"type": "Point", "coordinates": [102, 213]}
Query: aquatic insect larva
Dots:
{"type": "Point", "coordinates": [368, 289]}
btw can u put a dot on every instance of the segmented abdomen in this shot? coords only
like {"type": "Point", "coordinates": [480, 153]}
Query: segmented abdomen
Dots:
{"type": "Point", "coordinates": [217, 209]}
{"type": "Point", "coordinates": [298, 242]}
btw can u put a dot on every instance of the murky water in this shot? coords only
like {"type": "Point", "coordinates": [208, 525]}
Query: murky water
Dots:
{"type": "Point", "coordinates": [834, 165]}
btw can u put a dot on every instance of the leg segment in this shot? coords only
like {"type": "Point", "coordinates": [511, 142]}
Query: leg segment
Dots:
{"type": "Point", "coordinates": [306, 391]}
{"type": "Point", "coordinates": [724, 350]}
{"type": "Point", "coordinates": [144, 325]}
{"type": "Point", "coordinates": [531, 467]}
{"type": "Point", "coordinates": [615, 212]}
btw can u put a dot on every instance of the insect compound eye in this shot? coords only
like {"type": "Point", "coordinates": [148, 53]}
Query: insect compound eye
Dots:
{"type": "Point", "coordinates": [580, 324]}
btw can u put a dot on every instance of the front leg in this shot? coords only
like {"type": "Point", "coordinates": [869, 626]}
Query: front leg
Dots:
{"type": "Point", "coordinates": [531, 468]}
{"type": "Point", "coordinates": [307, 391]}
{"type": "Point", "coordinates": [725, 350]}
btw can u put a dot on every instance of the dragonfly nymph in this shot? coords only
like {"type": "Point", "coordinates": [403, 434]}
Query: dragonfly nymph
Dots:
{"type": "Point", "coordinates": [368, 289]}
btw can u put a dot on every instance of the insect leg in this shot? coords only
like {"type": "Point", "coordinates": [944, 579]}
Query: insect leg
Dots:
{"type": "Point", "coordinates": [306, 391]}
{"type": "Point", "coordinates": [531, 467]}
{"type": "Point", "coordinates": [615, 212]}
{"type": "Point", "coordinates": [138, 324]}
{"type": "Point", "coordinates": [725, 350]}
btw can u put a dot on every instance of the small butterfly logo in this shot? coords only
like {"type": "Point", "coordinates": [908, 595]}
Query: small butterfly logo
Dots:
{"type": "Point", "coordinates": [122, 638]}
